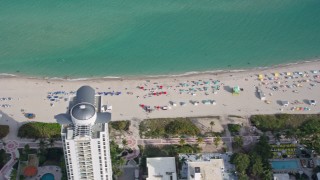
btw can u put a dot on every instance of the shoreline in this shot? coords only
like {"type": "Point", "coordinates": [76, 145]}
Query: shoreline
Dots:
{"type": "Point", "coordinates": [143, 77]}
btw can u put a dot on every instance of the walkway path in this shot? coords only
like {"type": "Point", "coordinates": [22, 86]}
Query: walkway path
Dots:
{"type": "Point", "coordinates": [207, 140]}
{"type": "Point", "coordinates": [11, 147]}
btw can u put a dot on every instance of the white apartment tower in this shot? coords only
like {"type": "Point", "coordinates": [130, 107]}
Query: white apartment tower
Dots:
{"type": "Point", "coordinates": [85, 137]}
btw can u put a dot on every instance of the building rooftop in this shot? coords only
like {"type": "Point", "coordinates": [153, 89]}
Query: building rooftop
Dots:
{"type": "Point", "coordinates": [83, 111]}
{"type": "Point", "coordinates": [86, 94]}
{"type": "Point", "coordinates": [206, 170]}
{"type": "Point", "coordinates": [281, 176]}
{"type": "Point", "coordinates": [206, 163]}
{"type": "Point", "coordinates": [161, 168]}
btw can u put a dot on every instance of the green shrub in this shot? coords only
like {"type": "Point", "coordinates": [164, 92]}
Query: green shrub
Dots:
{"type": "Point", "coordinates": [120, 125]}
{"type": "Point", "coordinates": [38, 130]}
{"type": "Point", "coordinates": [166, 127]}
{"type": "Point", "coordinates": [279, 122]}
{"type": "Point", "coordinates": [234, 128]}
{"type": "Point", "coordinates": [181, 127]}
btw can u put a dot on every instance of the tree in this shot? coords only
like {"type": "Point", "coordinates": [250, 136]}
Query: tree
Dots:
{"type": "Point", "coordinates": [263, 148]}
{"type": "Point", "coordinates": [234, 128]}
{"type": "Point", "coordinates": [182, 142]}
{"type": "Point", "coordinates": [51, 142]}
{"type": "Point", "coordinates": [42, 146]}
{"type": "Point", "coordinates": [124, 142]}
{"type": "Point", "coordinates": [26, 149]}
{"type": "Point", "coordinates": [237, 141]}
{"type": "Point", "coordinates": [212, 124]}
{"type": "Point", "coordinates": [200, 140]}
{"type": "Point", "coordinates": [277, 136]}
{"type": "Point", "coordinates": [117, 162]}
{"type": "Point", "coordinates": [217, 141]}
{"type": "Point", "coordinates": [4, 131]}
{"type": "Point", "coordinates": [257, 166]}
{"type": "Point", "coordinates": [241, 161]}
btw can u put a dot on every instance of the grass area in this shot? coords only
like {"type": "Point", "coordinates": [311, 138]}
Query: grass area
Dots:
{"type": "Point", "coordinates": [38, 130]}
{"type": "Point", "coordinates": [234, 128]}
{"type": "Point", "coordinates": [167, 127]}
{"type": "Point", "coordinates": [280, 122]}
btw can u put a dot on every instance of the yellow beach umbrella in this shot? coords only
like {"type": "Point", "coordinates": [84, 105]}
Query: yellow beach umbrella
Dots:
{"type": "Point", "coordinates": [260, 77]}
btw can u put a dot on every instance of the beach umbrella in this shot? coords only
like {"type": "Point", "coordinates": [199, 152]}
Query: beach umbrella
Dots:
{"type": "Point", "coordinates": [165, 92]}
{"type": "Point", "coordinates": [260, 77]}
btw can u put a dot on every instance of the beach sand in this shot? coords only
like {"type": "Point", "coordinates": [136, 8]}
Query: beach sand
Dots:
{"type": "Point", "coordinates": [29, 95]}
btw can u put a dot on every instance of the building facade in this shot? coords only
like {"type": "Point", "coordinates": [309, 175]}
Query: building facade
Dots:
{"type": "Point", "coordinates": [85, 137]}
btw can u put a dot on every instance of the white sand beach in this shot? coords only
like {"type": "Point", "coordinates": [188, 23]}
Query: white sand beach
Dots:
{"type": "Point", "coordinates": [30, 95]}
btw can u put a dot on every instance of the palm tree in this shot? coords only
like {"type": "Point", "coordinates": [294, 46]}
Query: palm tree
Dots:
{"type": "Point", "coordinates": [51, 142]}
{"type": "Point", "coordinates": [42, 145]}
{"type": "Point", "coordinates": [217, 141]}
{"type": "Point", "coordinates": [200, 140]}
{"type": "Point", "coordinates": [182, 142]}
{"type": "Point", "coordinates": [277, 136]}
{"type": "Point", "coordinates": [26, 149]}
{"type": "Point", "coordinates": [212, 124]}
{"type": "Point", "coordinates": [238, 141]}
{"type": "Point", "coordinates": [124, 142]}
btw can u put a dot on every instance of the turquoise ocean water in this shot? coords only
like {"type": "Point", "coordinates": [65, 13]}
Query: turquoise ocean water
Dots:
{"type": "Point", "coordinates": [79, 38]}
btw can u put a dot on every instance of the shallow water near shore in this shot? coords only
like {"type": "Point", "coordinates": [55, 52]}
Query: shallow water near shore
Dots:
{"type": "Point", "coordinates": [148, 37]}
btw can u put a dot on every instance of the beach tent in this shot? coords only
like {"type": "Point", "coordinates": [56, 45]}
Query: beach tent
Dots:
{"type": "Point", "coordinates": [288, 73]}
{"type": "Point", "coordinates": [236, 90]}
{"type": "Point", "coordinates": [276, 74]}
{"type": "Point", "coordinates": [30, 115]}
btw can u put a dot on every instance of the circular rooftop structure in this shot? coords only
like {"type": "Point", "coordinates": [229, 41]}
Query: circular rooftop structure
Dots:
{"type": "Point", "coordinates": [83, 111]}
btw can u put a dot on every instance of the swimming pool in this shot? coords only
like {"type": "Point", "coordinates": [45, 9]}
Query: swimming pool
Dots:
{"type": "Point", "coordinates": [47, 176]}
{"type": "Point", "coordinates": [288, 164]}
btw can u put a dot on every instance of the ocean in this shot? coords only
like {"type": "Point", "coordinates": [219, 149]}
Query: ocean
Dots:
{"type": "Point", "coordinates": [79, 38]}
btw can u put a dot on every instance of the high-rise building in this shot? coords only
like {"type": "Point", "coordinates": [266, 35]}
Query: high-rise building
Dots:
{"type": "Point", "coordinates": [85, 137]}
